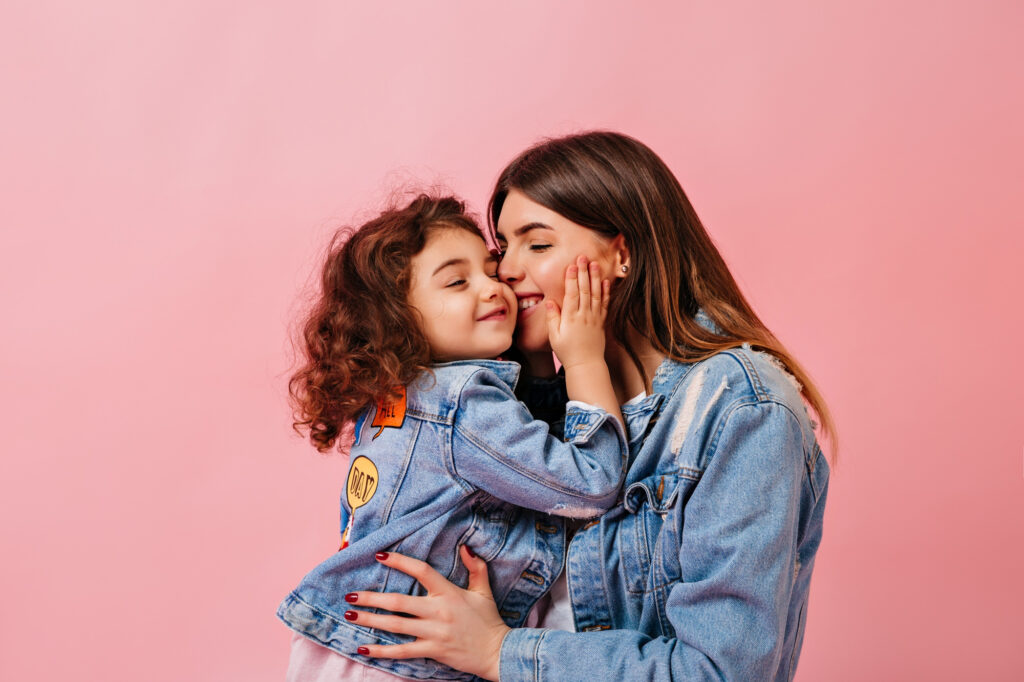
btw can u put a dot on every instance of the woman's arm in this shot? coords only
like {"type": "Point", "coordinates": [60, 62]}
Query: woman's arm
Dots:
{"type": "Point", "coordinates": [457, 627]}
{"type": "Point", "coordinates": [729, 612]}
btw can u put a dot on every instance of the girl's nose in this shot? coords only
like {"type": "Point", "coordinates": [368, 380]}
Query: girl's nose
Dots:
{"type": "Point", "coordinates": [490, 290]}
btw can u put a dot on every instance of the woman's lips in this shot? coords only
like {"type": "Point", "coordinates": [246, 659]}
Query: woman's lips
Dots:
{"type": "Point", "coordinates": [528, 305]}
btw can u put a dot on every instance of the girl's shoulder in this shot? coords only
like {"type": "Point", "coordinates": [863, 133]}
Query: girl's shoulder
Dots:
{"type": "Point", "coordinates": [440, 390]}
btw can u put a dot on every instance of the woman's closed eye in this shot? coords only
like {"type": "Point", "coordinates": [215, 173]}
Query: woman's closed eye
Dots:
{"type": "Point", "coordinates": [539, 247]}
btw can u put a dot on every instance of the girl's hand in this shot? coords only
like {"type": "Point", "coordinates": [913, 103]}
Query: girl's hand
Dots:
{"type": "Point", "coordinates": [457, 627]}
{"type": "Point", "coordinates": [577, 334]}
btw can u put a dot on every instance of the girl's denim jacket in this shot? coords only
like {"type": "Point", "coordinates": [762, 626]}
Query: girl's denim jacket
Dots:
{"type": "Point", "coordinates": [702, 571]}
{"type": "Point", "coordinates": [461, 463]}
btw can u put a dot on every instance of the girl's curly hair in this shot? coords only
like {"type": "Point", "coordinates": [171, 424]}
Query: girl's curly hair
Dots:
{"type": "Point", "coordinates": [362, 339]}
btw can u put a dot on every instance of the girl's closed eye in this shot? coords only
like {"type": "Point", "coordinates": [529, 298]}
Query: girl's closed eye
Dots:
{"type": "Point", "coordinates": [455, 283]}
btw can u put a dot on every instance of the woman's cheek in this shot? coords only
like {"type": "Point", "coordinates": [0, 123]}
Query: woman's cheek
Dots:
{"type": "Point", "coordinates": [550, 278]}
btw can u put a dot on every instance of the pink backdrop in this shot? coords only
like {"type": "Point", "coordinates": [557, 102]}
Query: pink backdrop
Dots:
{"type": "Point", "coordinates": [170, 172]}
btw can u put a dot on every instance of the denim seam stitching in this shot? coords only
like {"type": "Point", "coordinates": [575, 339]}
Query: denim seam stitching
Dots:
{"type": "Point", "coordinates": [753, 376]}
{"type": "Point", "coordinates": [536, 655]}
{"type": "Point", "coordinates": [593, 499]}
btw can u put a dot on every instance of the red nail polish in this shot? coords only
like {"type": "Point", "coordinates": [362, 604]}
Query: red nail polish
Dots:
{"type": "Point", "coordinates": [363, 651]}
{"type": "Point", "coordinates": [351, 615]}
{"type": "Point", "coordinates": [470, 550]}
{"type": "Point", "coordinates": [351, 597]}
{"type": "Point", "coordinates": [381, 556]}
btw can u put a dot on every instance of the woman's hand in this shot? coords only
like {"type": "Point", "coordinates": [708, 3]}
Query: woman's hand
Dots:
{"type": "Point", "coordinates": [457, 627]}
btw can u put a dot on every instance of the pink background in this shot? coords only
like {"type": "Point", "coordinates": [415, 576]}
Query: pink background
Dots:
{"type": "Point", "coordinates": [170, 172]}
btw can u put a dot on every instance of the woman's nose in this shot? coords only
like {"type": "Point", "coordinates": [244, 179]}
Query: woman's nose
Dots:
{"type": "Point", "coordinates": [509, 271]}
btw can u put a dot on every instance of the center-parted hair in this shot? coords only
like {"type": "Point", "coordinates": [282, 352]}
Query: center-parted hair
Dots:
{"type": "Point", "coordinates": [614, 184]}
{"type": "Point", "coordinates": [362, 338]}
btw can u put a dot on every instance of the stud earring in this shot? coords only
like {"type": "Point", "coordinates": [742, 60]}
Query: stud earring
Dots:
{"type": "Point", "coordinates": [625, 269]}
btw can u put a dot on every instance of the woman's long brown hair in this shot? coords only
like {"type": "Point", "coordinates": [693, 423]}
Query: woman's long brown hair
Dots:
{"type": "Point", "coordinates": [361, 338]}
{"type": "Point", "coordinates": [614, 184]}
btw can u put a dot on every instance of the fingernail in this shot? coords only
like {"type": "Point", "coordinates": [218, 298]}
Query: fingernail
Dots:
{"type": "Point", "coordinates": [351, 597]}
{"type": "Point", "coordinates": [351, 615]}
{"type": "Point", "coordinates": [470, 550]}
{"type": "Point", "coordinates": [363, 651]}
{"type": "Point", "coordinates": [381, 556]}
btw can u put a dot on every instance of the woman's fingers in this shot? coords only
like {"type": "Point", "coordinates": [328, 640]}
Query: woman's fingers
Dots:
{"type": "Point", "coordinates": [479, 582]}
{"type": "Point", "coordinates": [389, 601]}
{"type": "Point", "coordinates": [421, 570]}
{"type": "Point", "coordinates": [410, 650]}
{"type": "Point", "coordinates": [400, 624]}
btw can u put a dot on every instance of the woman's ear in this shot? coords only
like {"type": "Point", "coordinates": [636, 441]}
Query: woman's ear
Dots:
{"type": "Point", "coordinates": [620, 253]}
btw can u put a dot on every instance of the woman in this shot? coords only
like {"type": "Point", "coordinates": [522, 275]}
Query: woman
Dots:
{"type": "Point", "coordinates": [703, 570]}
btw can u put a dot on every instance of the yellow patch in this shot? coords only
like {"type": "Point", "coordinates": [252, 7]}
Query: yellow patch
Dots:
{"type": "Point", "coordinates": [362, 482]}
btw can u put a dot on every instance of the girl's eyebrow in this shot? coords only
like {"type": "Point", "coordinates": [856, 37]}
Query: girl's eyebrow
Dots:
{"type": "Point", "coordinates": [520, 231]}
{"type": "Point", "coordinates": [450, 261]}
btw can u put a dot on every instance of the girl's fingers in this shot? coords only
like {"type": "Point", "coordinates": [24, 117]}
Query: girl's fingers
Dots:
{"type": "Point", "coordinates": [571, 300]}
{"type": "Point", "coordinates": [552, 317]}
{"type": "Point", "coordinates": [421, 570]}
{"type": "Point", "coordinates": [596, 287]}
{"type": "Point", "coordinates": [583, 281]}
{"type": "Point", "coordinates": [606, 295]}
{"type": "Point", "coordinates": [389, 601]}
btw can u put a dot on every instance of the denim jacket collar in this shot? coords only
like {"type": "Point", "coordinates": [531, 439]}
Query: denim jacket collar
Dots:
{"type": "Point", "coordinates": [506, 371]}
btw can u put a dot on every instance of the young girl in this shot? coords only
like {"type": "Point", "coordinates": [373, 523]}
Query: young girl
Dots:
{"type": "Point", "coordinates": [400, 370]}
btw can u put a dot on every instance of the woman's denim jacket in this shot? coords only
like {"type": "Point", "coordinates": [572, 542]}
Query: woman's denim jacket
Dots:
{"type": "Point", "coordinates": [702, 571]}
{"type": "Point", "coordinates": [465, 465]}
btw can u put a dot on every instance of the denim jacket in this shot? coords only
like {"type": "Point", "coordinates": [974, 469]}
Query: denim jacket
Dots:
{"type": "Point", "coordinates": [702, 571]}
{"type": "Point", "coordinates": [460, 462]}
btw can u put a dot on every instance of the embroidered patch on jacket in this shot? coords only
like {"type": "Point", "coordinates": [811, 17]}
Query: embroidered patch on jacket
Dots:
{"type": "Point", "coordinates": [390, 412]}
{"type": "Point", "coordinates": [359, 489]}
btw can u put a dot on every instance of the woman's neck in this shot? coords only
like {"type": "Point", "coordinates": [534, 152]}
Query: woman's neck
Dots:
{"type": "Point", "coordinates": [626, 379]}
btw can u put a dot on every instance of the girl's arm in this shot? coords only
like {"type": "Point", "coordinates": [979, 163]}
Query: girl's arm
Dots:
{"type": "Point", "coordinates": [729, 611]}
{"type": "Point", "coordinates": [578, 338]}
{"type": "Point", "coordinates": [499, 447]}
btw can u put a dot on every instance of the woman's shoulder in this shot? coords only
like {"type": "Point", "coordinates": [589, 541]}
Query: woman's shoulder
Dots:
{"type": "Point", "coordinates": [748, 375]}
{"type": "Point", "coordinates": [735, 391]}
{"type": "Point", "coordinates": [713, 388]}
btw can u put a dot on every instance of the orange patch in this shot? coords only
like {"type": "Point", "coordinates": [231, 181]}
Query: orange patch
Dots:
{"type": "Point", "coordinates": [390, 412]}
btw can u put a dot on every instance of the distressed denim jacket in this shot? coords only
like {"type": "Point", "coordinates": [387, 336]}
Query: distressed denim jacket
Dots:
{"type": "Point", "coordinates": [702, 570]}
{"type": "Point", "coordinates": [460, 461]}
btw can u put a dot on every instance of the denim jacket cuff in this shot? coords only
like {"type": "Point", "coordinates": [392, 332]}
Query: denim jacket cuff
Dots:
{"type": "Point", "coordinates": [582, 421]}
{"type": "Point", "coordinates": [519, 653]}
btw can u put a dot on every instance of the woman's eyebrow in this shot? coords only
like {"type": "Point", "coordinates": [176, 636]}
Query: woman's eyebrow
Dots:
{"type": "Point", "coordinates": [520, 231]}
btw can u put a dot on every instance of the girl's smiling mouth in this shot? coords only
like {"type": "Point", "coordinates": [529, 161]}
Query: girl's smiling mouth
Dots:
{"type": "Point", "coordinates": [495, 315]}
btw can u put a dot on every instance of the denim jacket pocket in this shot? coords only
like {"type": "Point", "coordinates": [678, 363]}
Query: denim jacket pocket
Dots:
{"type": "Point", "coordinates": [650, 549]}
{"type": "Point", "coordinates": [491, 521]}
